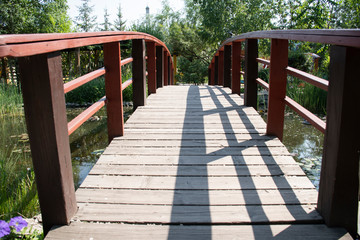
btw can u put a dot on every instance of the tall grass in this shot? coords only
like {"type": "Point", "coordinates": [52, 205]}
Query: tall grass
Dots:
{"type": "Point", "coordinates": [10, 101]}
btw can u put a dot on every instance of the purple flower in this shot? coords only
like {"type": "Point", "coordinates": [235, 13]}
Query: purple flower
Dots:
{"type": "Point", "coordinates": [18, 223]}
{"type": "Point", "coordinates": [4, 228]}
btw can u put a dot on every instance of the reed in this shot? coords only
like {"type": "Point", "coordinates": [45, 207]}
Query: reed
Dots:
{"type": "Point", "coordinates": [10, 101]}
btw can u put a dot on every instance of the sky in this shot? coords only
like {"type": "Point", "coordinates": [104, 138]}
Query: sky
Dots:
{"type": "Point", "coordinates": [132, 10]}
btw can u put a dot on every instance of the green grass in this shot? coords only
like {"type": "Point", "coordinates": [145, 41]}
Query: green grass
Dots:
{"type": "Point", "coordinates": [10, 101]}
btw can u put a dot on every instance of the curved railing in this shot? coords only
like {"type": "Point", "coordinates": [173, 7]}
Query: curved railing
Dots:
{"type": "Point", "coordinates": [339, 182]}
{"type": "Point", "coordinates": [44, 101]}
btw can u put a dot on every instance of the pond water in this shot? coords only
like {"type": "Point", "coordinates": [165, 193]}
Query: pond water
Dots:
{"type": "Point", "coordinates": [88, 142]}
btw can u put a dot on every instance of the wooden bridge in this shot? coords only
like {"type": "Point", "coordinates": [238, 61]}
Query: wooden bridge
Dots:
{"type": "Point", "coordinates": [192, 162]}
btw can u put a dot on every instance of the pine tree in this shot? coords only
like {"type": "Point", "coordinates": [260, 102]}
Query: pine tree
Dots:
{"type": "Point", "coordinates": [119, 24]}
{"type": "Point", "coordinates": [85, 21]}
{"type": "Point", "coordinates": [106, 24]}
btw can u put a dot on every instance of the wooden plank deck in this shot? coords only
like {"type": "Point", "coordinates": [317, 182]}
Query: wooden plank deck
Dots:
{"type": "Point", "coordinates": [196, 164]}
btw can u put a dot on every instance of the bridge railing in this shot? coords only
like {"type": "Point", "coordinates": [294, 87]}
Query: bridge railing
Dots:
{"type": "Point", "coordinates": [339, 181]}
{"type": "Point", "coordinates": [44, 101]}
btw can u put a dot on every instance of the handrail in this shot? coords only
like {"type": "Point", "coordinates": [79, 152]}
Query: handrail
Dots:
{"type": "Point", "coordinates": [43, 91]}
{"type": "Point", "coordinates": [338, 190]}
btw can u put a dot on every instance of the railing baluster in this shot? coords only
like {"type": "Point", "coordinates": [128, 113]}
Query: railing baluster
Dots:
{"type": "Point", "coordinates": [236, 68]}
{"type": "Point", "coordinates": [151, 66]}
{"type": "Point", "coordinates": [221, 68]}
{"type": "Point", "coordinates": [227, 66]}
{"type": "Point", "coordinates": [212, 79]}
{"type": "Point", "coordinates": [139, 73]}
{"type": "Point", "coordinates": [169, 68]}
{"type": "Point", "coordinates": [251, 73]}
{"type": "Point", "coordinates": [114, 106]}
{"type": "Point", "coordinates": [159, 67]}
{"type": "Point", "coordinates": [339, 182]}
{"type": "Point", "coordinates": [166, 68]}
{"type": "Point", "coordinates": [45, 112]}
{"type": "Point", "coordinates": [216, 64]}
{"type": "Point", "coordinates": [277, 87]}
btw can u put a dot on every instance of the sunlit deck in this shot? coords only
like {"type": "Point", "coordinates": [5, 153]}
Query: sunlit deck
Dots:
{"type": "Point", "coordinates": [195, 163]}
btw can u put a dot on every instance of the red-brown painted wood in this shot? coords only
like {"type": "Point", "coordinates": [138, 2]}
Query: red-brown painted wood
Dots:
{"type": "Point", "coordinates": [251, 73]}
{"type": "Point", "coordinates": [151, 67]}
{"type": "Point", "coordinates": [236, 68]}
{"type": "Point", "coordinates": [277, 87]}
{"type": "Point", "coordinates": [216, 65]}
{"type": "Point", "coordinates": [114, 106]}
{"type": "Point", "coordinates": [227, 66]}
{"type": "Point", "coordinates": [169, 68]}
{"type": "Point", "coordinates": [339, 182]}
{"type": "Point", "coordinates": [125, 84]}
{"type": "Point", "coordinates": [159, 67]}
{"type": "Point", "coordinates": [212, 79]}
{"type": "Point", "coordinates": [45, 113]}
{"type": "Point", "coordinates": [85, 115]}
{"type": "Point", "coordinates": [314, 80]}
{"type": "Point", "coordinates": [139, 73]}
{"type": "Point", "coordinates": [69, 86]}
{"type": "Point", "coordinates": [221, 68]}
{"type": "Point", "coordinates": [166, 69]}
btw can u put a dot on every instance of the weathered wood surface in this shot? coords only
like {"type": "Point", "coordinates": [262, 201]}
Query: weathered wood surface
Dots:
{"type": "Point", "coordinates": [196, 156]}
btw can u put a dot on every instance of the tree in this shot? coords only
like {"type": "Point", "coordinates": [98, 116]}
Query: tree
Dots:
{"type": "Point", "coordinates": [85, 21]}
{"type": "Point", "coordinates": [119, 24]}
{"type": "Point", "coordinates": [106, 24]}
{"type": "Point", "coordinates": [29, 16]}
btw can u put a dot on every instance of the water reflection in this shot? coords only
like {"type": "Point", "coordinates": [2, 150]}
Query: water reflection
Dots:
{"type": "Point", "coordinates": [306, 144]}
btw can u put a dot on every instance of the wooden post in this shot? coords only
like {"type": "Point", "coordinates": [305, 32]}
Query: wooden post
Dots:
{"type": "Point", "coordinates": [151, 67]}
{"type": "Point", "coordinates": [166, 68]}
{"type": "Point", "coordinates": [209, 75]}
{"type": "Point", "coordinates": [221, 68]}
{"type": "Point", "coordinates": [114, 105]}
{"type": "Point", "coordinates": [45, 113]}
{"type": "Point", "coordinates": [251, 73]}
{"type": "Point", "coordinates": [139, 73]}
{"type": "Point", "coordinates": [227, 66]}
{"type": "Point", "coordinates": [339, 182]}
{"type": "Point", "coordinates": [159, 67]}
{"type": "Point", "coordinates": [236, 68]}
{"type": "Point", "coordinates": [174, 69]}
{"type": "Point", "coordinates": [216, 64]}
{"type": "Point", "coordinates": [212, 79]}
{"type": "Point", "coordinates": [169, 69]}
{"type": "Point", "coordinates": [277, 87]}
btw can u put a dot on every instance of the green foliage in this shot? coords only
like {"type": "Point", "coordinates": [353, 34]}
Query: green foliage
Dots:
{"type": "Point", "coordinates": [119, 23]}
{"type": "Point", "coordinates": [28, 16]}
{"type": "Point", "coordinates": [87, 93]}
{"type": "Point", "coordinates": [10, 101]}
{"type": "Point", "coordinates": [85, 21]}
{"type": "Point", "coordinates": [106, 24]}
{"type": "Point", "coordinates": [192, 71]}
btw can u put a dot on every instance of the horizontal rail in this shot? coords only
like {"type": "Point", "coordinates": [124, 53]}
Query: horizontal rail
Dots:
{"type": "Point", "coordinates": [263, 61]}
{"type": "Point", "coordinates": [262, 83]}
{"type": "Point", "coordinates": [314, 80]}
{"type": "Point", "coordinates": [126, 84]}
{"type": "Point", "coordinates": [306, 114]}
{"type": "Point", "coordinates": [85, 115]}
{"type": "Point", "coordinates": [69, 86]}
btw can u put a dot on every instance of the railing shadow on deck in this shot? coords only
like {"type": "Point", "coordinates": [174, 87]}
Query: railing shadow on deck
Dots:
{"type": "Point", "coordinates": [338, 190]}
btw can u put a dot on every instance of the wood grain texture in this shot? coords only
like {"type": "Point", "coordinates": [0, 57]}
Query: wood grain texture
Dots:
{"type": "Point", "coordinates": [194, 155]}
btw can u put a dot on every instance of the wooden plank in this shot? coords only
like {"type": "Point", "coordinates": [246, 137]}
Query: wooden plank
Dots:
{"type": "Point", "coordinates": [114, 106]}
{"type": "Point", "coordinates": [198, 214]}
{"type": "Point", "coordinates": [194, 126]}
{"type": "Point", "coordinates": [193, 136]}
{"type": "Point", "coordinates": [210, 171]}
{"type": "Point", "coordinates": [86, 231]}
{"type": "Point", "coordinates": [202, 131]}
{"type": "Point", "coordinates": [194, 160]}
{"type": "Point", "coordinates": [197, 198]}
{"type": "Point", "coordinates": [139, 73]}
{"type": "Point", "coordinates": [124, 143]}
{"type": "Point", "coordinates": [189, 151]}
{"type": "Point", "coordinates": [196, 183]}
{"type": "Point", "coordinates": [45, 112]}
